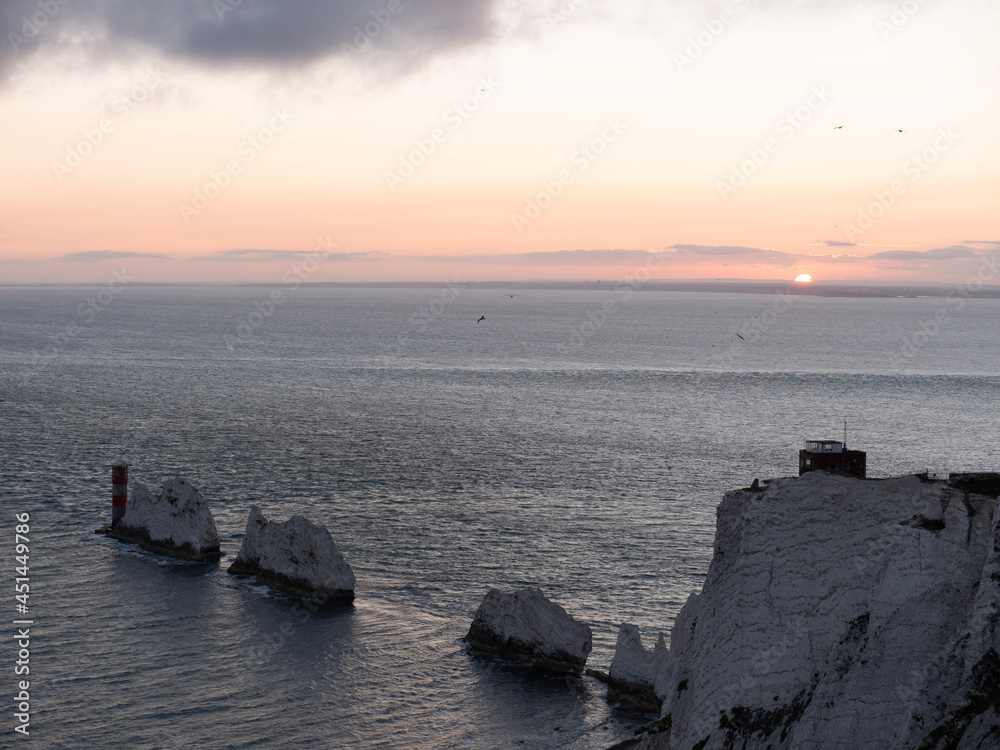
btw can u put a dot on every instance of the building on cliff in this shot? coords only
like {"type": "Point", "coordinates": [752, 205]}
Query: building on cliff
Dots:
{"type": "Point", "coordinates": [831, 455]}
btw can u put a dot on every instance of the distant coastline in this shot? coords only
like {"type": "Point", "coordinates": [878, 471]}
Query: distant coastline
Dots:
{"type": "Point", "coordinates": [735, 286]}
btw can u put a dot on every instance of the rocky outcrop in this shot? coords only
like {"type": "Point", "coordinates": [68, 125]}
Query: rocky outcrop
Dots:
{"type": "Point", "coordinates": [841, 613]}
{"type": "Point", "coordinates": [633, 670]}
{"type": "Point", "coordinates": [177, 522]}
{"type": "Point", "coordinates": [524, 626]}
{"type": "Point", "coordinates": [296, 556]}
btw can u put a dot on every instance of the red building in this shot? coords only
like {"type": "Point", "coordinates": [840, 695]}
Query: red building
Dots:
{"type": "Point", "coordinates": [831, 455]}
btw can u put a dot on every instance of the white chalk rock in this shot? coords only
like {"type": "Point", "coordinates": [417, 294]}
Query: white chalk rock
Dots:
{"type": "Point", "coordinates": [841, 613]}
{"type": "Point", "coordinates": [633, 670]}
{"type": "Point", "coordinates": [296, 556]}
{"type": "Point", "coordinates": [177, 522]}
{"type": "Point", "coordinates": [524, 626]}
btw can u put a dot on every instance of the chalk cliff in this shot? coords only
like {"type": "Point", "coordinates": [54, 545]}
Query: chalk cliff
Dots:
{"type": "Point", "coordinates": [524, 626]}
{"type": "Point", "coordinates": [296, 556]}
{"type": "Point", "coordinates": [633, 670]}
{"type": "Point", "coordinates": [177, 522]}
{"type": "Point", "coordinates": [840, 613]}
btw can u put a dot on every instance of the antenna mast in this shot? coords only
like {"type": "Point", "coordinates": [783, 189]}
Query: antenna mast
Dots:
{"type": "Point", "coordinates": [845, 434]}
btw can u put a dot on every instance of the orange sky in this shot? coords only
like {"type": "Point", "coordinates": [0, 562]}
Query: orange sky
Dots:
{"type": "Point", "coordinates": [703, 141]}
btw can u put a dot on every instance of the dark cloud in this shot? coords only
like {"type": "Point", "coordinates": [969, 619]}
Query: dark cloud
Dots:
{"type": "Point", "coordinates": [242, 32]}
{"type": "Point", "coordinates": [96, 256]}
{"type": "Point", "coordinates": [284, 255]}
{"type": "Point", "coordinates": [941, 253]}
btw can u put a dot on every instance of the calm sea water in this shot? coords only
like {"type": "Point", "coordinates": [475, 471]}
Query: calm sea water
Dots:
{"type": "Point", "coordinates": [555, 444]}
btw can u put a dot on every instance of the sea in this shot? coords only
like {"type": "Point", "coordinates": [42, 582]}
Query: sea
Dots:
{"type": "Point", "coordinates": [578, 441]}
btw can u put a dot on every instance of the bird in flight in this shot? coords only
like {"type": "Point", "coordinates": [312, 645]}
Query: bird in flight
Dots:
{"type": "Point", "coordinates": [510, 295]}
{"type": "Point", "coordinates": [740, 337]}
{"type": "Point", "coordinates": [481, 319]}
{"type": "Point", "coordinates": [902, 131]}
{"type": "Point", "coordinates": [838, 127]}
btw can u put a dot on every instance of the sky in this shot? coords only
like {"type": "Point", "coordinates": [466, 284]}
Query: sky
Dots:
{"type": "Point", "coordinates": [485, 140]}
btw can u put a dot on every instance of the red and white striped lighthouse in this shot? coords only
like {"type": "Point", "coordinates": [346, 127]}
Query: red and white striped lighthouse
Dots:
{"type": "Point", "coordinates": [119, 491]}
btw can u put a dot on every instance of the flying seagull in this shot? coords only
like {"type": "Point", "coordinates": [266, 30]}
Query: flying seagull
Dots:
{"type": "Point", "coordinates": [510, 295]}
{"type": "Point", "coordinates": [740, 337]}
{"type": "Point", "coordinates": [481, 319]}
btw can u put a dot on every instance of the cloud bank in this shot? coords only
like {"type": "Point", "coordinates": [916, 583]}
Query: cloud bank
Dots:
{"type": "Point", "coordinates": [249, 254]}
{"type": "Point", "coordinates": [96, 256]}
{"type": "Point", "coordinates": [599, 257]}
{"type": "Point", "coordinates": [761, 255]}
{"type": "Point", "coordinates": [940, 253]}
{"type": "Point", "coordinates": [242, 32]}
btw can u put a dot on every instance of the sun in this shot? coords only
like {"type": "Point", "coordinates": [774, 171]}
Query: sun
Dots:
{"type": "Point", "coordinates": [804, 278]}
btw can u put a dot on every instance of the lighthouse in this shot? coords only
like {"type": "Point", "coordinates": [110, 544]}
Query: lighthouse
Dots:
{"type": "Point", "coordinates": [119, 492]}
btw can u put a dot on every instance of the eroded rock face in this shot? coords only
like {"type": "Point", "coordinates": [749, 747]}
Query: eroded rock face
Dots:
{"type": "Point", "coordinates": [524, 626]}
{"type": "Point", "coordinates": [296, 556]}
{"type": "Point", "coordinates": [633, 670]}
{"type": "Point", "coordinates": [177, 522]}
{"type": "Point", "coordinates": [841, 613]}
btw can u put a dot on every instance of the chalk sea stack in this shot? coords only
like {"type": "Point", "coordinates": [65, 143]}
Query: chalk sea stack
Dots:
{"type": "Point", "coordinates": [296, 556]}
{"type": "Point", "coordinates": [177, 522]}
{"type": "Point", "coordinates": [632, 677]}
{"type": "Point", "coordinates": [840, 613]}
{"type": "Point", "coordinates": [524, 626]}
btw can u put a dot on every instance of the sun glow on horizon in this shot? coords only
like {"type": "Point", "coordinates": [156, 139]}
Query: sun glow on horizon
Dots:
{"type": "Point", "coordinates": [490, 146]}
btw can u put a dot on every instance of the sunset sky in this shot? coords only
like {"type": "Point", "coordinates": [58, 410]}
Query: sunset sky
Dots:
{"type": "Point", "coordinates": [220, 140]}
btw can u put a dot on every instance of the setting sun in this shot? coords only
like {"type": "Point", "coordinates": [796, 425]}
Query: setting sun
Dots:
{"type": "Point", "coordinates": [804, 278]}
